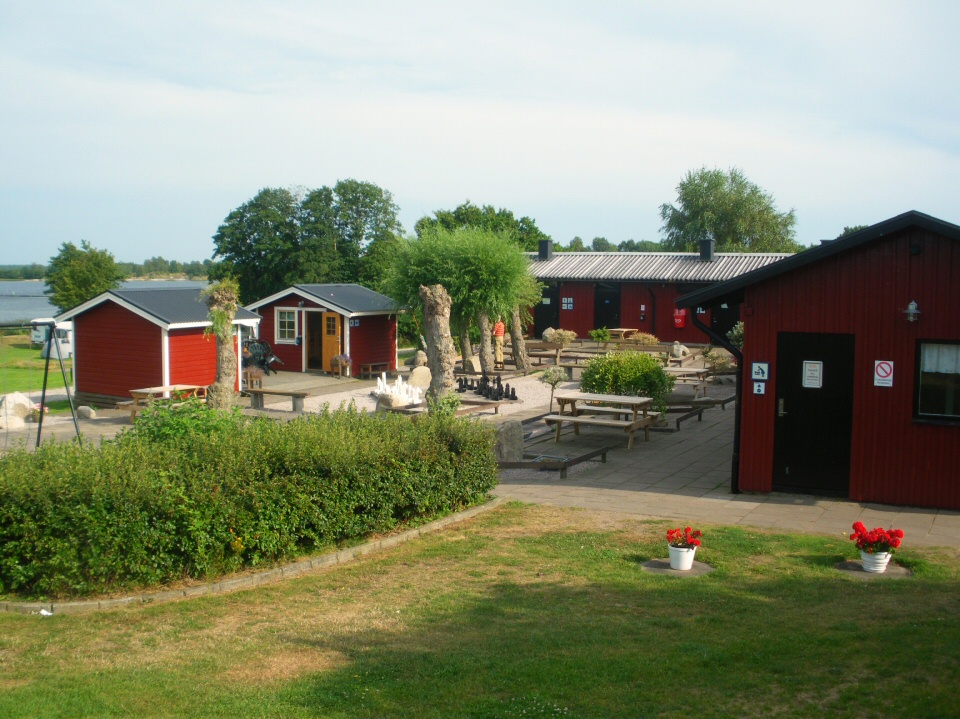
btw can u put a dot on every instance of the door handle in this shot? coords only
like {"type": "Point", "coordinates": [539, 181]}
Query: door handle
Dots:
{"type": "Point", "coordinates": [781, 412]}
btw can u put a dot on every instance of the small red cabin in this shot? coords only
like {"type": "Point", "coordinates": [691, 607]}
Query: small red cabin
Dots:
{"type": "Point", "coordinates": [128, 339]}
{"type": "Point", "coordinates": [851, 367]}
{"type": "Point", "coordinates": [308, 325]}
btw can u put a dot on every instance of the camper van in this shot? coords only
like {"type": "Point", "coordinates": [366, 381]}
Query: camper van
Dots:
{"type": "Point", "coordinates": [38, 336]}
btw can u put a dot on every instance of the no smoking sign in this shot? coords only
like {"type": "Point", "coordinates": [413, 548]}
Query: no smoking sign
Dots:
{"type": "Point", "coordinates": [883, 373]}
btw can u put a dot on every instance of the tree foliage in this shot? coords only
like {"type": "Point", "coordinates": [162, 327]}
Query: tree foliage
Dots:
{"type": "Point", "coordinates": [524, 231]}
{"type": "Point", "coordinates": [728, 208]}
{"type": "Point", "coordinates": [77, 274]}
{"type": "Point", "coordinates": [849, 230]}
{"type": "Point", "coordinates": [281, 237]}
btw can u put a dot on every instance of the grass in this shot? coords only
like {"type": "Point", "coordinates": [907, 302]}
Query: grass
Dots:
{"type": "Point", "coordinates": [524, 611]}
{"type": "Point", "coordinates": [22, 368]}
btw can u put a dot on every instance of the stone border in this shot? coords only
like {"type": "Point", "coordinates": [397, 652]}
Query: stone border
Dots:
{"type": "Point", "coordinates": [662, 566]}
{"type": "Point", "coordinates": [304, 566]}
{"type": "Point", "coordinates": [854, 568]}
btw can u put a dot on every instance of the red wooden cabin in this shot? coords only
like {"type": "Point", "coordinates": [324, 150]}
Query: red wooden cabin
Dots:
{"type": "Point", "coordinates": [128, 339]}
{"type": "Point", "coordinates": [851, 367]}
{"type": "Point", "coordinates": [308, 325]}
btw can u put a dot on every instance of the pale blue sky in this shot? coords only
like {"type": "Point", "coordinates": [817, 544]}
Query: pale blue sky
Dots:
{"type": "Point", "coordinates": [139, 126]}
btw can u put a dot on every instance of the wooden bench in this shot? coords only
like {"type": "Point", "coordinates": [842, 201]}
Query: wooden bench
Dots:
{"type": "Point", "coordinates": [626, 425]}
{"type": "Point", "coordinates": [545, 462]}
{"type": "Point", "coordinates": [372, 369]}
{"type": "Point", "coordinates": [257, 395]}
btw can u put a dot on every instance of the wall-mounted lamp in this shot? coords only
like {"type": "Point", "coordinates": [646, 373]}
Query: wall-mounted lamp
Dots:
{"type": "Point", "coordinates": [300, 304]}
{"type": "Point", "coordinates": [912, 313]}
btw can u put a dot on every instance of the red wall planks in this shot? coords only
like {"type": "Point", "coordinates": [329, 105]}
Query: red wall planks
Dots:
{"type": "Point", "coordinates": [863, 292]}
{"type": "Point", "coordinates": [116, 351]}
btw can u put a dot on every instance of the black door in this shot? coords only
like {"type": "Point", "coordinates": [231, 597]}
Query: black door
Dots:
{"type": "Point", "coordinates": [813, 413]}
{"type": "Point", "coordinates": [314, 340]}
{"type": "Point", "coordinates": [547, 313]}
{"type": "Point", "coordinates": [606, 306]}
{"type": "Point", "coordinates": [723, 318]}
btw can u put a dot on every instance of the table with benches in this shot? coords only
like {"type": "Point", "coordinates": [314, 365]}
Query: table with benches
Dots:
{"type": "Point", "coordinates": [257, 395]}
{"type": "Point", "coordinates": [626, 413]}
{"type": "Point", "coordinates": [172, 392]}
{"type": "Point", "coordinates": [372, 369]}
{"type": "Point", "coordinates": [690, 375]}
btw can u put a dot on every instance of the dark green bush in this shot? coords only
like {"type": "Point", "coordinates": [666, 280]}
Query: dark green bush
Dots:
{"type": "Point", "coordinates": [628, 373]}
{"type": "Point", "coordinates": [155, 507]}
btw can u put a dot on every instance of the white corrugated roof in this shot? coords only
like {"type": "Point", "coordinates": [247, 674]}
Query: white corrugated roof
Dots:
{"type": "Point", "coordinates": [649, 266]}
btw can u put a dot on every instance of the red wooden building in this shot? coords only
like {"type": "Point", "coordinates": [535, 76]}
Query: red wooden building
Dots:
{"type": "Point", "coordinates": [128, 339]}
{"type": "Point", "coordinates": [588, 290]}
{"type": "Point", "coordinates": [851, 367]}
{"type": "Point", "coordinates": [307, 325]}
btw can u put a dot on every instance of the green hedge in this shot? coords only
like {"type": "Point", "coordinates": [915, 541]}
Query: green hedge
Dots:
{"type": "Point", "coordinates": [635, 374]}
{"type": "Point", "coordinates": [152, 507]}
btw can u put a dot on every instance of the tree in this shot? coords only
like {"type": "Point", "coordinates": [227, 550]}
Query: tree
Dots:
{"type": "Point", "coordinates": [641, 246]}
{"type": "Point", "coordinates": [76, 275]}
{"type": "Point", "coordinates": [576, 245]}
{"type": "Point", "coordinates": [602, 244]}
{"type": "Point", "coordinates": [222, 300]}
{"type": "Point", "coordinates": [284, 237]}
{"type": "Point", "coordinates": [851, 230]}
{"type": "Point", "coordinates": [729, 209]}
{"type": "Point", "coordinates": [524, 231]}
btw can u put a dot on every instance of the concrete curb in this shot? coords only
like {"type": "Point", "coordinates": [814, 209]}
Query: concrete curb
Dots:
{"type": "Point", "coordinates": [288, 571]}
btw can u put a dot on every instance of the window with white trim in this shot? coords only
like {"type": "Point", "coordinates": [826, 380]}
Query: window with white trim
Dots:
{"type": "Point", "coordinates": [938, 381]}
{"type": "Point", "coordinates": [286, 326]}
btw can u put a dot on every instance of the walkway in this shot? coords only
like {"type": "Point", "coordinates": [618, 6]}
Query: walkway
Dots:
{"type": "Point", "coordinates": [685, 477]}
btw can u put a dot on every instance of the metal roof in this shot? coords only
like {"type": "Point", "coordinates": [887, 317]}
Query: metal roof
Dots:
{"type": "Point", "coordinates": [165, 307]}
{"type": "Point", "coordinates": [648, 266]}
{"type": "Point", "coordinates": [732, 290]}
{"type": "Point", "coordinates": [346, 299]}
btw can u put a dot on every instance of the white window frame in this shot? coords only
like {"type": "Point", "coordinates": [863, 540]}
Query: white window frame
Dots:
{"type": "Point", "coordinates": [942, 357]}
{"type": "Point", "coordinates": [276, 325]}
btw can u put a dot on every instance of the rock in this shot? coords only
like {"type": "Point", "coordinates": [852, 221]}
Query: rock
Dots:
{"type": "Point", "coordinates": [11, 421]}
{"type": "Point", "coordinates": [14, 410]}
{"type": "Point", "coordinates": [420, 377]}
{"type": "Point", "coordinates": [417, 360]}
{"type": "Point", "coordinates": [390, 401]}
{"type": "Point", "coordinates": [86, 412]}
{"type": "Point", "coordinates": [548, 334]}
{"type": "Point", "coordinates": [509, 447]}
{"type": "Point", "coordinates": [471, 364]}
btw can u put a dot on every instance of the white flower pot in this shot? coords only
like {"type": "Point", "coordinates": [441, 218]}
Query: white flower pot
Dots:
{"type": "Point", "coordinates": [876, 562]}
{"type": "Point", "coordinates": [681, 558]}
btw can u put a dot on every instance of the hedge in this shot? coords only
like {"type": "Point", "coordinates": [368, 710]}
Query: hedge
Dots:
{"type": "Point", "coordinates": [628, 373]}
{"type": "Point", "coordinates": [215, 494]}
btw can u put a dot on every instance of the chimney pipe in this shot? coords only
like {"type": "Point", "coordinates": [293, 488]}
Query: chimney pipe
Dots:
{"type": "Point", "coordinates": [546, 249]}
{"type": "Point", "coordinates": [706, 250]}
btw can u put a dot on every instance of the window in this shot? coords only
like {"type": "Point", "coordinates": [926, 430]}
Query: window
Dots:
{"type": "Point", "coordinates": [286, 326]}
{"type": "Point", "coordinates": [938, 381]}
{"type": "Point", "coordinates": [566, 303]}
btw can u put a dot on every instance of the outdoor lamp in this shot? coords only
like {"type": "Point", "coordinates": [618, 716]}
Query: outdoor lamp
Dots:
{"type": "Point", "coordinates": [912, 313]}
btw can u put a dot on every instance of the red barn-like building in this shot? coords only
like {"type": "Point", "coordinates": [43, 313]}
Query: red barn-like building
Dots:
{"type": "Point", "coordinates": [128, 339]}
{"type": "Point", "coordinates": [851, 367]}
{"type": "Point", "coordinates": [307, 325]}
{"type": "Point", "coordinates": [589, 290]}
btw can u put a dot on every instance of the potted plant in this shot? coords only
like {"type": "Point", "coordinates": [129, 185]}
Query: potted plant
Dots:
{"type": "Point", "coordinates": [36, 410]}
{"type": "Point", "coordinates": [341, 365]}
{"type": "Point", "coordinates": [876, 545]}
{"type": "Point", "coordinates": [683, 546]}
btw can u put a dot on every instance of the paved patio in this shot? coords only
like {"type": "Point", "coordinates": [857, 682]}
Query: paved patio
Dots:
{"type": "Point", "coordinates": [685, 477]}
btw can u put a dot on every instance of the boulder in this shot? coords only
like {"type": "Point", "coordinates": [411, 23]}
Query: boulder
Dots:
{"type": "Point", "coordinates": [471, 364]}
{"type": "Point", "coordinates": [15, 408]}
{"type": "Point", "coordinates": [420, 377]}
{"type": "Point", "coordinates": [548, 334]}
{"type": "Point", "coordinates": [509, 447]}
{"type": "Point", "coordinates": [390, 401]}
{"type": "Point", "coordinates": [85, 412]}
{"type": "Point", "coordinates": [417, 360]}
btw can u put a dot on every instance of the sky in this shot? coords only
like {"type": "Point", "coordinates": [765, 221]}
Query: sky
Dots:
{"type": "Point", "coordinates": [138, 126]}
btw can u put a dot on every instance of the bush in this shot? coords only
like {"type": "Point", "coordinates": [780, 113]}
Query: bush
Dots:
{"type": "Point", "coordinates": [628, 373]}
{"type": "Point", "coordinates": [155, 507]}
{"type": "Point", "coordinates": [600, 335]}
{"type": "Point", "coordinates": [735, 335]}
{"type": "Point", "coordinates": [644, 338]}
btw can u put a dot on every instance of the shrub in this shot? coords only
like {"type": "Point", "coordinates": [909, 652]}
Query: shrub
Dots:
{"type": "Point", "coordinates": [644, 338]}
{"type": "Point", "coordinates": [735, 335]}
{"type": "Point", "coordinates": [600, 335]}
{"type": "Point", "coordinates": [628, 373]}
{"type": "Point", "coordinates": [154, 507]}
{"type": "Point", "coordinates": [716, 360]}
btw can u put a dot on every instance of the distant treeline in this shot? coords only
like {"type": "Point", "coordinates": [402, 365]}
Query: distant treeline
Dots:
{"type": "Point", "coordinates": [154, 267]}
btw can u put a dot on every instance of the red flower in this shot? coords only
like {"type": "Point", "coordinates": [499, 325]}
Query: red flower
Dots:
{"type": "Point", "coordinates": [686, 537]}
{"type": "Point", "coordinates": [877, 539]}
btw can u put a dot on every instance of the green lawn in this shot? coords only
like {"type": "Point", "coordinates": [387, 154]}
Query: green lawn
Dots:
{"type": "Point", "coordinates": [522, 612]}
{"type": "Point", "coordinates": [22, 368]}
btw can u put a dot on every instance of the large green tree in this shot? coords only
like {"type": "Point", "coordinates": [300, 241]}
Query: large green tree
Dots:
{"type": "Point", "coordinates": [524, 231]}
{"type": "Point", "coordinates": [77, 274]}
{"type": "Point", "coordinates": [281, 237]}
{"type": "Point", "coordinates": [728, 208]}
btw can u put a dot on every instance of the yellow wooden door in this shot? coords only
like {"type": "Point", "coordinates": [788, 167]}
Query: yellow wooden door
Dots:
{"type": "Point", "coordinates": [332, 328]}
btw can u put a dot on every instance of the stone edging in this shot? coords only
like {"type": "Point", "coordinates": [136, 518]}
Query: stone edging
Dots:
{"type": "Point", "coordinates": [249, 581]}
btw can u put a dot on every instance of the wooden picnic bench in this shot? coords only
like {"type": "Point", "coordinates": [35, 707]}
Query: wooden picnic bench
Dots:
{"type": "Point", "coordinates": [372, 369]}
{"type": "Point", "coordinates": [257, 395]}
{"type": "Point", "coordinates": [690, 375]}
{"type": "Point", "coordinates": [147, 395]}
{"type": "Point", "coordinates": [635, 407]}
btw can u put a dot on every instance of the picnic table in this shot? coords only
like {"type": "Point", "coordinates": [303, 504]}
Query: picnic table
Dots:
{"type": "Point", "coordinates": [691, 375]}
{"type": "Point", "coordinates": [592, 408]}
{"type": "Point", "coordinates": [145, 395]}
{"type": "Point", "coordinates": [621, 333]}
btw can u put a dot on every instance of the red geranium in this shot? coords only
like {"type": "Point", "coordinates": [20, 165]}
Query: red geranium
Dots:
{"type": "Point", "coordinates": [686, 537]}
{"type": "Point", "coordinates": [877, 539]}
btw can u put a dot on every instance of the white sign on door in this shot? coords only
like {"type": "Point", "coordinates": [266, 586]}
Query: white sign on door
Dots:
{"type": "Point", "coordinates": [812, 374]}
{"type": "Point", "coordinates": [883, 373]}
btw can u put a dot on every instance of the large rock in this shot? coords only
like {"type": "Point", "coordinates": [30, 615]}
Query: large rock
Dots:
{"type": "Point", "coordinates": [420, 377]}
{"type": "Point", "coordinates": [390, 401]}
{"type": "Point", "coordinates": [472, 364]}
{"type": "Point", "coordinates": [85, 412]}
{"type": "Point", "coordinates": [418, 360]}
{"type": "Point", "coordinates": [509, 447]}
{"type": "Point", "coordinates": [14, 409]}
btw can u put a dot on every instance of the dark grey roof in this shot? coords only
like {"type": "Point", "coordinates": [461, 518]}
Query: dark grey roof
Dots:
{"type": "Point", "coordinates": [648, 266]}
{"type": "Point", "coordinates": [349, 299]}
{"type": "Point", "coordinates": [173, 306]}
{"type": "Point", "coordinates": [731, 291]}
